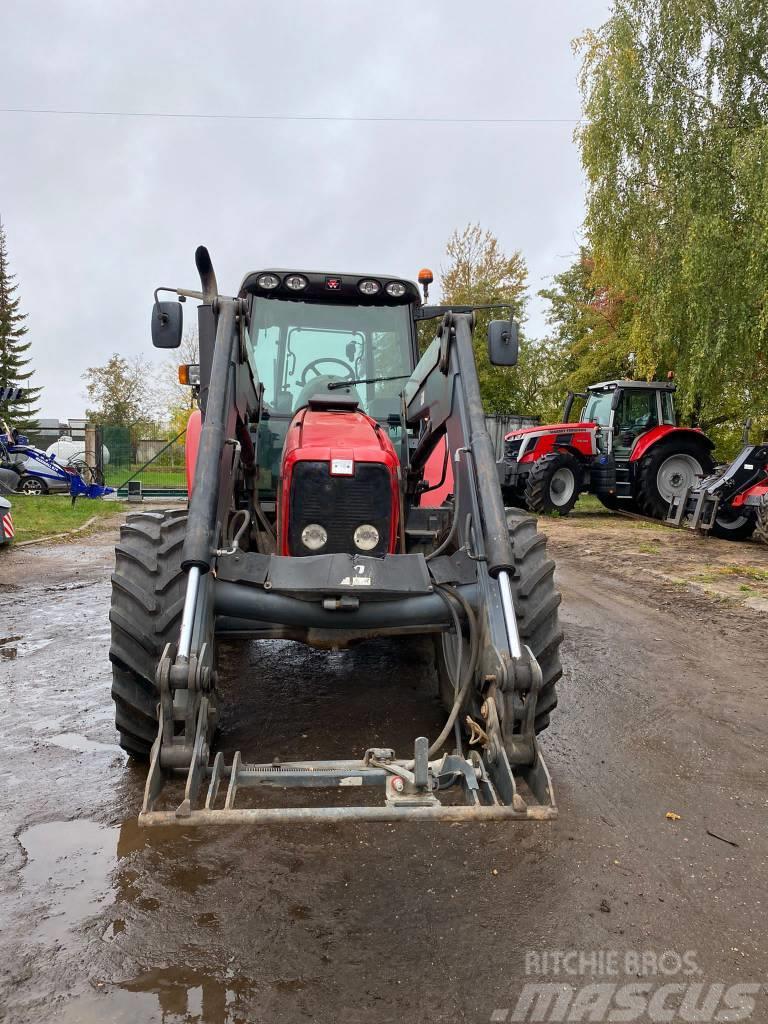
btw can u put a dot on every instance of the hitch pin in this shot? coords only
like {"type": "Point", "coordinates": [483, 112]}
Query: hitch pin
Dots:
{"type": "Point", "coordinates": [188, 615]}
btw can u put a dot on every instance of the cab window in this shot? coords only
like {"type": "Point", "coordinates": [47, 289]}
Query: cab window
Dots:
{"type": "Point", "coordinates": [637, 410]}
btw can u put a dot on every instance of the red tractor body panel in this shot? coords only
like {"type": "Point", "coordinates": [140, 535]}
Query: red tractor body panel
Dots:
{"type": "Point", "coordinates": [580, 438]}
{"type": "Point", "coordinates": [433, 474]}
{"type": "Point", "coordinates": [342, 440]}
{"type": "Point", "coordinates": [665, 430]}
{"type": "Point", "coordinates": [752, 496]}
{"type": "Point", "coordinates": [191, 444]}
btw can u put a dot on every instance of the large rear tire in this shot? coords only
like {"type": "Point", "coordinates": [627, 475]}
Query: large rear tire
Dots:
{"type": "Point", "coordinates": [667, 471]}
{"type": "Point", "coordinates": [554, 483]}
{"type": "Point", "coordinates": [536, 606]}
{"type": "Point", "coordinates": [148, 588]}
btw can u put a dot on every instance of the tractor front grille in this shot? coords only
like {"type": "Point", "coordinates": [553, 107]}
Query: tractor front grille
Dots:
{"type": "Point", "coordinates": [512, 448]}
{"type": "Point", "coordinates": [339, 504]}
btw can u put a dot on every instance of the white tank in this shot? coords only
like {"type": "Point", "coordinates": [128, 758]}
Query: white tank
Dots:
{"type": "Point", "coordinates": [66, 452]}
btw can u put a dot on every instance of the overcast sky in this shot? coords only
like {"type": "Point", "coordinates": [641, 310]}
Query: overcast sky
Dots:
{"type": "Point", "coordinates": [100, 210]}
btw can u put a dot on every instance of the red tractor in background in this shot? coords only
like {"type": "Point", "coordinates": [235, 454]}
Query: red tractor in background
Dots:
{"type": "Point", "coordinates": [626, 448]}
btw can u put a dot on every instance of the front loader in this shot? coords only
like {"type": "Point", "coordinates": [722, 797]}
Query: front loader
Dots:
{"type": "Point", "coordinates": [312, 517]}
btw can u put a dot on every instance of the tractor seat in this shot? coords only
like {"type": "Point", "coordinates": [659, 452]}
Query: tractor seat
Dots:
{"type": "Point", "coordinates": [318, 387]}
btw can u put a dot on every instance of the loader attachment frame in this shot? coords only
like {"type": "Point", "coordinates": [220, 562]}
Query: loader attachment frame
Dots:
{"type": "Point", "coordinates": [463, 585]}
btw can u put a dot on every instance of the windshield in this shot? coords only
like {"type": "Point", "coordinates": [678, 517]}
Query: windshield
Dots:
{"type": "Point", "coordinates": [598, 408]}
{"type": "Point", "coordinates": [299, 348]}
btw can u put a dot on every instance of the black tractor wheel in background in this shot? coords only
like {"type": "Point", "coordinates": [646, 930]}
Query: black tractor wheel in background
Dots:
{"type": "Point", "coordinates": [536, 606]}
{"type": "Point", "coordinates": [667, 471]}
{"type": "Point", "coordinates": [618, 504]}
{"type": "Point", "coordinates": [734, 526]}
{"type": "Point", "coordinates": [148, 588]}
{"type": "Point", "coordinates": [554, 483]}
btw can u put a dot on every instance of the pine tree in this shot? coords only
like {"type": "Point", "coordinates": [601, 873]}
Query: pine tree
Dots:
{"type": "Point", "coordinates": [14, 361]}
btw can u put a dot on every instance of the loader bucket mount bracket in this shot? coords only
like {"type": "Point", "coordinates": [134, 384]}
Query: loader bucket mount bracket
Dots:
{"type": "Point", "coordinates": [488, 785]}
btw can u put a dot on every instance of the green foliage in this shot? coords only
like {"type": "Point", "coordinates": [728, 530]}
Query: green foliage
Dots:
{"type": "Point", "coordinates": [480, 273]}
{"type": "Point", "coordinates": [14, 361]}
{"type": "Point", "coordinates": [119, 392]}
{"type": "Point", "coordinates": [675, 148]}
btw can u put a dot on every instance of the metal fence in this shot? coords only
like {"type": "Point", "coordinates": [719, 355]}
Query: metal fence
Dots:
{"type": "Point", "coordinates": [151, 458]}
{"type": "Point", "coordinates": [498, 425]}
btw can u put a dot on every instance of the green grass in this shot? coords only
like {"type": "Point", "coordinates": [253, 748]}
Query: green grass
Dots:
{"type": "Point", "coordinates": [649, 549]}
{"type": "Point", "coordinates": [35, 517]}
{"type": "Point", "coordinates": [155, 476]}
{"type": "Point", "coordinates": [591, 505]}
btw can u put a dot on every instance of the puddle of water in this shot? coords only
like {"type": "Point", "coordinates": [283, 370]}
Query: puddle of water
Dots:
{"type": "Point", "coordinates": [12, 647]}
{"type": "Point", "coordinates": [68, 868]}
{"type": "Point", "coordinates": [167, 995]}
{"type": "Point", "coordinates": [73, 741]}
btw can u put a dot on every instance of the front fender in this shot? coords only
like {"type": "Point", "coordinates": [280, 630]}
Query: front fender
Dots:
{"type": "Point", "coordinates": [191, 444]}
{"type": "Point", "coordinates": [651, 437]}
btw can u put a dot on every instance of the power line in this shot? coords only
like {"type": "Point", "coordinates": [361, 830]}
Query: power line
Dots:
{"type": "Point", "coordinates": [290, 117]}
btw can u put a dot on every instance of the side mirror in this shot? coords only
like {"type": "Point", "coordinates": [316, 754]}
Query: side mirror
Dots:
{"type": "Point", "coordinates": [615, 399]}
{"type": "Point", "coordinates": [167, 323]}
{"type": "Point", "coordinates": [503, 343]}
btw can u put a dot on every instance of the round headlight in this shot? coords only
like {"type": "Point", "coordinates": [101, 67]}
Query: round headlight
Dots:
{"type": "Point", "coordinates": [369, 286]}
{"type": "Point", "coordinates": [314, 537]}
{"type": "Point", "coordinates": [295, 282]}
{"type": "Point", "coordinates": [366, 537]}
{"type": "Point", "coordinates": [396, 289]}
{"type": "Point", "coordinates": [268, 281]}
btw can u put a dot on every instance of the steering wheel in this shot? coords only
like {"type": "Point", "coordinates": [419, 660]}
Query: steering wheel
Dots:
{"type": "Point", "coordinates": [350, 373]}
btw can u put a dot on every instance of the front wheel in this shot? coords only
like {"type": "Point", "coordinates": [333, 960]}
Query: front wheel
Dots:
{"type": "Point", "coordinates": [32, 485]}
{"type": "Point", "coordinates": [667, 472]}
{"type": "Point", "coordinates": [554, 483]}
{"type": "Point", "coordinates": [732, 526]}
{"type": "Point", "coordinates": [148, 589]}
{"type": "Point", "coordinates": [536, 600]}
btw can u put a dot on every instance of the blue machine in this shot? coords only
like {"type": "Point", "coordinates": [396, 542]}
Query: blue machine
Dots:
{"type": "Point", "coordinates": [41, 473]}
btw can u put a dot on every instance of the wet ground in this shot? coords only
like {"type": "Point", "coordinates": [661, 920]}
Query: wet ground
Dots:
{"type": "Point", "coordinates": [664, 708]}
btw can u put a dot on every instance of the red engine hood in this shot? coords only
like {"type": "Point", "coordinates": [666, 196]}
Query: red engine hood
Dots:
{"type": "Point", "coordinates": [347, 441]}
{"type": "Point", "coordinates": [550, 428]}
{"type": "Point", "coordinates": [325, 434]}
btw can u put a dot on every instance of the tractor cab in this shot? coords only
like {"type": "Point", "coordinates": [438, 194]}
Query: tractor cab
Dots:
{"type": "Point", "coordinates": [326, 339]}
{"type": "Point", "coordinates": [626, 409]}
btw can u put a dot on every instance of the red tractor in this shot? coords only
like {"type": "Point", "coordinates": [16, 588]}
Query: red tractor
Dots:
{"type": "Point", "coordinates": [343, 488]}
{"type": "Point", "coordinates": [626, 448]}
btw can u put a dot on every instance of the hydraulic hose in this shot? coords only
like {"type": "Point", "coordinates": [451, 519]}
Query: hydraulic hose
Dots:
{"type": "Point", "coordinates": [462, 688]}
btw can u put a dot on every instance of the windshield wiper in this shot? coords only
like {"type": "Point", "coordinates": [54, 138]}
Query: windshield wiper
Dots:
{"type": "Point", "coordinates": [335, 384]}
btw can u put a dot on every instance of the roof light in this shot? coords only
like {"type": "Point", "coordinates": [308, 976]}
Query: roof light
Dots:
{"type": "Point", "coordinates": [369, 287]}
{"type": "Point", "coordinates": [296, 282]}
{"type": "Point", "coordinates": [268, 281]}
{"type": "Point", "coordinates": [396, 289]}
{"type": "Point", "coordinates": [426, 277]}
